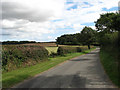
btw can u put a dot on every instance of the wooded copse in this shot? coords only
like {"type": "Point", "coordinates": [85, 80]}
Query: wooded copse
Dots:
{"type": "Point", "coordinates": [86, 37]}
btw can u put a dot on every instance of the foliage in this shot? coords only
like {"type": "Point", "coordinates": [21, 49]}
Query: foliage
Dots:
{"type": "Point", "coordinates": [15, 56]}
{"type": "Point", "coordinates": [69, 39]}
{"type": "Point", "coordinates": [86, 37]}
{"type": "Point", "coordinates": [110, 64]}
{"type": "Point", "coordinates": [108, 35]}
{"type": "Point", "coordinates": [104, 23]}
{"type": "Point", "coordinates": [53, 54]}
{"type": "Point", "coordinates": [115, 24]}
{"type": "Point", "coordinates": [108, 26]}
{"type": "Point", "coordinates": [65, 50]}
{"type": "Point", "coordinates": [17, 42]}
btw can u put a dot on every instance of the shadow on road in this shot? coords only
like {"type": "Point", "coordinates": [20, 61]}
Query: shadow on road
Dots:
{"type": "Point", "coordinates": [91, 53]}
{"type": "Point", "coordinates": [56, 81]}
{"type": "Point", "coordinates": [80, 60]}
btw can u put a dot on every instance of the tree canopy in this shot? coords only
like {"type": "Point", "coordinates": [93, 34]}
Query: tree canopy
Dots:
{"type": "Point", "coordinates": [86, 37]}
{"type": "Point", "coordinates": [109, 22]}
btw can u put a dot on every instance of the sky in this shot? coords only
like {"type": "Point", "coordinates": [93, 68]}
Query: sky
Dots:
{"type": "Point", "coordinates": [45, 20]}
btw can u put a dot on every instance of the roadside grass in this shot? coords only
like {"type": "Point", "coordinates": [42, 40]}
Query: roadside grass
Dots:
{"type": "Point", "coordinates": [110, 65]}
{"type": "Point", "coordinates": [52, 49]}
{"type": "Point", "coordinates": [9, 79]}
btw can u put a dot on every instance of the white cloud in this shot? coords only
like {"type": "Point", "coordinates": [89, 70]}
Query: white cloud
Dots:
{"type": "Point", "coordinates": [32, 10]}
{"type": "Point", "coordinates": [29, 19]}
{"type": "Point", "coordinates": [33, 19]}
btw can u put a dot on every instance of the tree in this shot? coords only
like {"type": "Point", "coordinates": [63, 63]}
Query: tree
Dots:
{"type": "Point", "coordinates": [115, 23]}
{"type": "Point", "coordinates": [68, 39]}
{"type": "Point", "coordinates": [104, 23]}
{"type": "Point", "coordinates": [107, 24]}
{"type": "Point", "coordinates": [88, 36]}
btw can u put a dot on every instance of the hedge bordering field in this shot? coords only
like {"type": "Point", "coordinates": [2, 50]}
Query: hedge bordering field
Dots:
{"type": "Point", "coordinates": [65, 50]}
{"type": "Point", "coordinates": [15, 56]}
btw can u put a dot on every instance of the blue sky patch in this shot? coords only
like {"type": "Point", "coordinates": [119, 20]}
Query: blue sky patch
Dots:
{"type": "Point", "coordinates": [69, 2]}
{"type": "Point", "coordinates": [86, 3]}
{"type": "Point", "coordinates": [111, 9]}
{"type": "Point", "coordinates": [73, 7]}
{"type": "Point", "coordinates": [88, 24]}
{"type": "Point", "coordinates": [57, 20]}
{"type": "Point", "coordinates": [66, 28]}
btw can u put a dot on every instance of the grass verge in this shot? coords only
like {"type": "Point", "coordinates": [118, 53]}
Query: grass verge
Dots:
{"type": "Point", "coordinates": [111, 66]}
{"type": "Point", "coordinates": [11, 78]}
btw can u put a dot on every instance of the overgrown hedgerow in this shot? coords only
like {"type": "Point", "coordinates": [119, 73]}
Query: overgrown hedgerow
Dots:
{"type": "Point", "coordinates": [65, 50]}
{"type": "Point", "coordinates": [15, 56]}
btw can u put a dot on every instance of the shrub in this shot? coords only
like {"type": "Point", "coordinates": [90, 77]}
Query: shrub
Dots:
{"type": "Point", "coordinates": [65, 50]}
{"type": "Point", "coordinates": [83, 48]}
{"type": "Point", "coordinates": [79, 49]}
{"type": "Point", "coordinates": [53, 54]}
{"type": "Point", "coordinates": [14, 56]}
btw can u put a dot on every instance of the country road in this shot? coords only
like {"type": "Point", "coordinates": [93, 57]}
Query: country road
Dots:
{"type": "Point", "coordinates": [81, 72]}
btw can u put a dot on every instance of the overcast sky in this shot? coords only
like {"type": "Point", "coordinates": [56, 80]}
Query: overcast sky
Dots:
{"type": "Point", "coordinates": [44, 20]}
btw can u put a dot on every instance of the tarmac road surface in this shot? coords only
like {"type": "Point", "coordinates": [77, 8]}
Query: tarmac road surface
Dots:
{"type": "Point", "coordinates": [84, 71]}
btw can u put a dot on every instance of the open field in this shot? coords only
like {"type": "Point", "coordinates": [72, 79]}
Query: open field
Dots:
{"type": "Point", "coordinates": [51, 44]}
{"type": "Point", "coordinates": [43, 44]}
{"type": "Point", "coordinates": [52, 49]}
{"type": "Point", "coordinates": [11, 78]}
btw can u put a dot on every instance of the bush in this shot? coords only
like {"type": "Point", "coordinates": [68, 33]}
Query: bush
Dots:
{"type": "Point", "coordinates": [79, 49]}
{"type": "Point", "coordinates": [14, 56]}
{"type": "Point", "coordinates": [65, 50]}
{"type": "Point", "coordinates": [53, 54]}
{"type": "Point", "coordinates": [83, 48]}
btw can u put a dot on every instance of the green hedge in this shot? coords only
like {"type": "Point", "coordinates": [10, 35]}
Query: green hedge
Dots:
{"type": "Point", "coordinates": [111, 64]}
{"type": "Point", "coordinates": [65, 50]}
{"type": "Point", "coordinates": [15, 56]}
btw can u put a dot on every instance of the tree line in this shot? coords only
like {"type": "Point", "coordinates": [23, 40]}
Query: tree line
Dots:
{"type": "Point", "coordinates": [108, 28]}
{"type": "Point", "coordinates": [17, 42]}
{"type": "Point", "coordinates": [86, 37]}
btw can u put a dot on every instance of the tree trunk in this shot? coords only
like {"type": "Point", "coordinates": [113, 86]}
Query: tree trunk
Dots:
{"type": "Point", "coordinates": [57, 45]}
{"type": "Point", "coordinates": [88, 46]}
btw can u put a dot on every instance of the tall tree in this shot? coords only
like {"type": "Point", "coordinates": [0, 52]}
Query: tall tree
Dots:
{"type": "Point", "coordinates": [88, 36]}
{"type": "Point", "coordinates": [104, 22]}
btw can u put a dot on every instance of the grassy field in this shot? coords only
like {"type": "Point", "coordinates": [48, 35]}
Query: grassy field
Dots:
{"type": "Point", "coordinates": [11, 78]}
{"type": "Point", "coordinates": [52, 49]}
{"type": "Point", "coordinates": [110, 65]}
{"type": "Point", "coordinates": [44, 44]}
